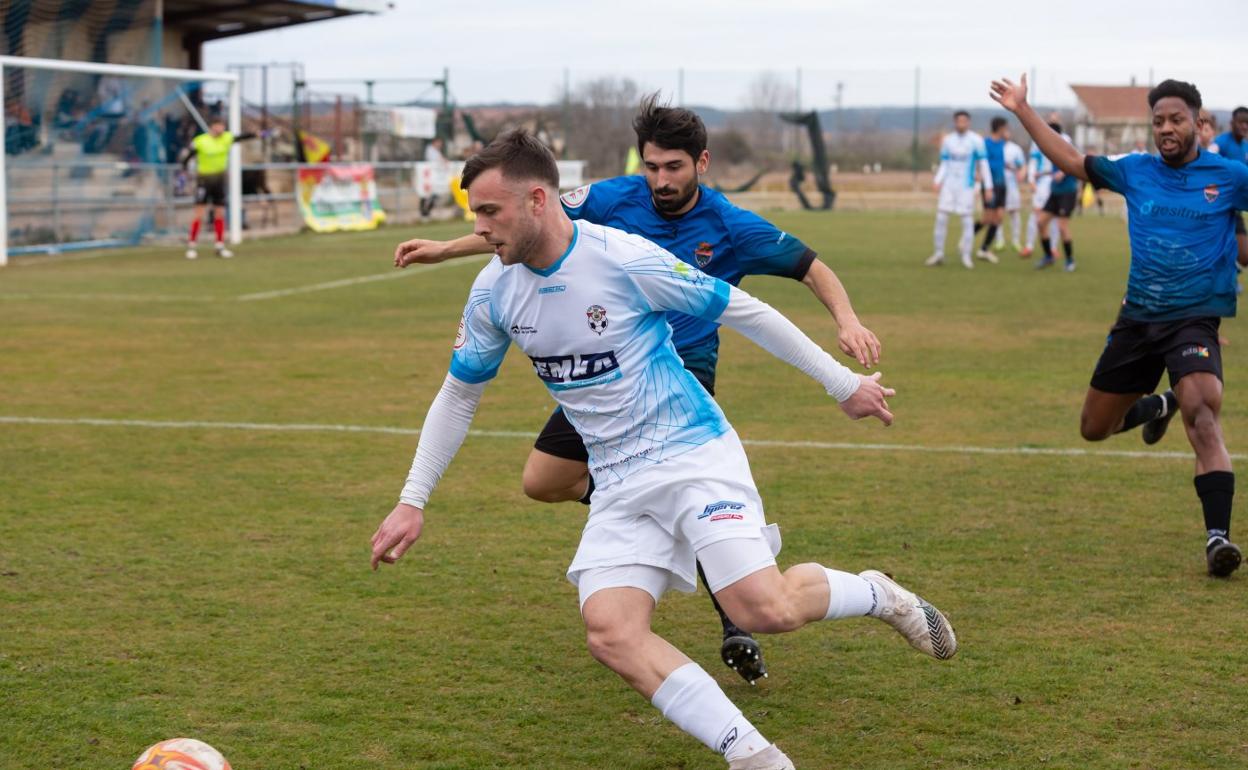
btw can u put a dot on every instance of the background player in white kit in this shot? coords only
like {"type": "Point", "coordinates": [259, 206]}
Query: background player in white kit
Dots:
{"type": "Point", "coordinates": [587, 304]}
{"type": "Point", "coordinates": [1015, 171]}
{"type": "Point", "coordinates": [963, 158]}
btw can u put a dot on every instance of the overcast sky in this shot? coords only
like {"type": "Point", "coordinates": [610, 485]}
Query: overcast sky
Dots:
{"type": "Point", "coordinates": [518, 51]}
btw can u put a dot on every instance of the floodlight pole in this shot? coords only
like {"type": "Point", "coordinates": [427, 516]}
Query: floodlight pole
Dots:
{"type": "Point", "coordinates": [235, 170]}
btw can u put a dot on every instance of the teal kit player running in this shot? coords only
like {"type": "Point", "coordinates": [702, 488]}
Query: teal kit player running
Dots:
{"type": "Point", "coordinates": [1182, 208]}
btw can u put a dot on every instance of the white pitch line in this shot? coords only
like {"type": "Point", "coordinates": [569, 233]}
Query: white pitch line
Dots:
{"type": "Point", "coordinates": [833, 445]}
{"type": "Point", "coordinates": [260, 295]}
{"type": "Point", "coordinates": [117, 297]}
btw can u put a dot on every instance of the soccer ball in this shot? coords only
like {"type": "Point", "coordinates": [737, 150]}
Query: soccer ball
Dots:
{"type": "Point", "coordinates": [181, 754]}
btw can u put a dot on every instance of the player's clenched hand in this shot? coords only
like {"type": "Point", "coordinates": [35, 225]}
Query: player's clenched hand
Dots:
{"type": "Point", "coordinates": [419, 250]}
{"type": "Point", "coordinates": [397, 533]}
{"type": "Point", "coordinates": [1009, 94]}
{"type": "Point", "coordinates": [868, 400]}
{"type": "Point", "coordinates": [858, 341]}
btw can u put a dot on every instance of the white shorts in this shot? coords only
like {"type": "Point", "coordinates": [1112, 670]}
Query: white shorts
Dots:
{"type": "Point", "coordinates": [956, 199]}
{"type": "Point", "coordinates": [661, 517]}
{"type": "Point", "coordinates": [1041, 196]}
{"type": "Point", "coordinates": [1012, 198]}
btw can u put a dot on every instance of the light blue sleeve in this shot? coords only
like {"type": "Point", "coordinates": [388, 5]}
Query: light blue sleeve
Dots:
{"type": "Point", "coordinates": [479, 344]}
{"type": "Point", "coordinates": [667, 283]}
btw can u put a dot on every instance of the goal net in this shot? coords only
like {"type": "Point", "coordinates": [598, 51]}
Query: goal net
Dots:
{"type": "Point", "coordinates": [91, 152]}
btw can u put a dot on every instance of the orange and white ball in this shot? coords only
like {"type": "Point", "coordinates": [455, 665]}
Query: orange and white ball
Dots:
{"type": "Point", "coordinates": [181, 754]}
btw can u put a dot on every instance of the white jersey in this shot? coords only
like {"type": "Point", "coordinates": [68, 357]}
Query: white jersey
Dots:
{"type": "Point", "coordinates": [1015, 161]}
{"type": "Point", "coordinates": [960, 156]}
{"type": "Point", "coordinates": [593, 325]}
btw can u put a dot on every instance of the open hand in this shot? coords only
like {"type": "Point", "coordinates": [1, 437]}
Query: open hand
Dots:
{"type": "Point", "coordinates": [858, 341]}
{"type": "Point", "coordinates": [868, 400]}
{"type": "Point", "coordinates": [1009, 94]}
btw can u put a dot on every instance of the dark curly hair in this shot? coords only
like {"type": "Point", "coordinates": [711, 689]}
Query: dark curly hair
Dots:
{"type": "Point", "coordinates": [672, 128]}
{"type": "Point", "coordinates": [1185, 91]}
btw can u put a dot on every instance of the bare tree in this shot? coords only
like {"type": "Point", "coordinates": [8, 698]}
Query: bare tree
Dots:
{"type": "Point", "coordinates": [766, 97]}
{"type": "Point", "coordinates": [599, 123]}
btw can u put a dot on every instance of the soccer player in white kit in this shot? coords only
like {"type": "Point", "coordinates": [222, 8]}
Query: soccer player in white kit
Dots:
{"type": "Point", "coordinates": [586, 304]}
{"type": "Point", "coordinates": [962, 158]}
{"type": "Point", "coordinates": [1015, 170]}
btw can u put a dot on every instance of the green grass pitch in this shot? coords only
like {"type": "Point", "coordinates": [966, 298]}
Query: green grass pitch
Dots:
{"type": "Point", "coordinates": [162, 580]}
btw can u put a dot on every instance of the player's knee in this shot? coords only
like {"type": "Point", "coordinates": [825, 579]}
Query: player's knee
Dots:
{"type": "Point", "coordinates": [1093, 429]}
{"type": "Point", "coordinates": [608, 644]}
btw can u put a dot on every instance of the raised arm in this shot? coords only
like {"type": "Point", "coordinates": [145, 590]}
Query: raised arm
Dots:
{"type": "Point", "coordinates": [1013, 97]}
{"type": "Point", "coordinates": [429, 252]}
{"type": "Point", "coordinates": [444, 430]}
{"type": "Point", "coordinates": [853, 338]}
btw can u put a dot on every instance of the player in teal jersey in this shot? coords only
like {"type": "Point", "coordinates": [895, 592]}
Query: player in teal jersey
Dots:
{"type": "Point", "coordinates": [1182, 208]}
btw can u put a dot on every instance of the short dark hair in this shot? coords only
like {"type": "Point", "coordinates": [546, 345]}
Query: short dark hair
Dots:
{"type": "Point", "coordinates": [1238, 111]}
{"type": "Point", "coordinates": [960, 113]}
{"type": "Point", "coordinates": [1057, 127]}
{"type": "Point", "coordinates": [672, 128]}
{"type": "Point", "coordinates": [518, 155]}
{"type": "Point", "coordinates": [997, 123]}
{"type": "Point", "coordinates": [1185, 91]}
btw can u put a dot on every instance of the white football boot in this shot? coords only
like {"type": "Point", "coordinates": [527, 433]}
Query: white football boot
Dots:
{"type": "Point", "coordinates": [923, 626]}
{"type": "Point", "coordinates": [191, 253]}
{"type": "Point", "coordinates": [223, 252]}
{"type": "Point", "coordinates": [770, 758]}
{"type": "Point", "coordinates": [935, 259]}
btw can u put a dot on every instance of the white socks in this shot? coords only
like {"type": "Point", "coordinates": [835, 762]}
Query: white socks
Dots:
{"type": "Point", "coordinates": [968, 236]}
{"type": "Point", "coordinates": [691, 699]}
{"type": "Point", "coordinates": [851, 596]}
{"type": "Point", "coordinates": [940, 232]}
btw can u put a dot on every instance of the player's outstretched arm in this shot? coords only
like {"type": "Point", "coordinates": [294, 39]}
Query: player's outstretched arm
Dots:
{"type": "Point", "coordinates": [1013, 97]}
{"type": "Point", "coordinates": [770, 330]}
{"type": "Point", "coordinates": [431, 252]}
{"type": "Point", "coordinates": [444, 430]}
{"type": "Point", "coordinates": [852, 337]}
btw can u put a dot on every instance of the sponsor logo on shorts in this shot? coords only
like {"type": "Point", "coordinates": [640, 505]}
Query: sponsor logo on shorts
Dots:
{"type": "Point", "coordinates": [1211, 193]}
{"type": "Point", "coordinates": [552, 289]}
{"type": "Point", "coordinates": [1200, 351]}
{"type": "Point", "coordinates": [597, 316]}
{"type": "Point", "coordinates": [723, 516]}
{"type": "Point", "coordinates": [728, 740]}
{"type": "Point", "coordinates": [721, 505]}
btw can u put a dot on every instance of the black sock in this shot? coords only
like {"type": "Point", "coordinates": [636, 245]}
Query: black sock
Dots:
{"type": "Point", "coordinates": [1147, 408]}
{"type": "Point", "coordinates": [589, 492]}
{"type": "Point", "coordinates": [730, 628]}
{"type": "Point", "coordinates": [1048, 248]}
{"type": "Point", "coordinates": [990, 236]}
{"type": "Point", "coordinates": [1216, 490]}
{"type": "Point", "coordinates": [1069, 248]}
{"type": "Point", "coordinates": [978, 226]}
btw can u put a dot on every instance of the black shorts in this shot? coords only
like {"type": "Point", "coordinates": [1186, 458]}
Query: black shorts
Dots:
{"type": "Point", "coordinates": [995, 199]}
{"type": "Point", "coordinates": [210, 190]}
{"type": "Point", "coordinates": [1137, 352]}
{"type": "Point", "coordinates": [1239, 223]}
{"type": "Point", "coordinates": [1062, 204]}
{"type": "Point", "coordinates": [560, 439]}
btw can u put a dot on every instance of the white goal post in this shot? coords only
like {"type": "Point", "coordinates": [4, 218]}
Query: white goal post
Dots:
{"type": "Point", "coordinates": [234, 124]}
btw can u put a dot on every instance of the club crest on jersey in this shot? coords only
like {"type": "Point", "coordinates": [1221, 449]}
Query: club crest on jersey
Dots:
{"type": "Point", "coordinates": [597, 315]}
{"type": "Point", "coordinates": [703, 253]}
{"type": "Point", "coordinates": [574, 198]}
{"type": "Point", "coordinates": [1211, 193]}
